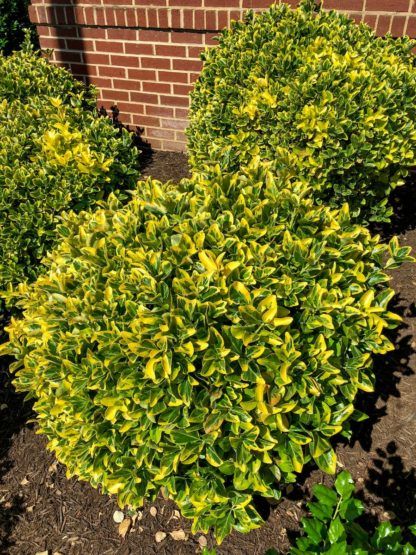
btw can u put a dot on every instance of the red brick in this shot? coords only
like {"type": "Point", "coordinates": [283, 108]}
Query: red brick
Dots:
{"type": "Point", "coordinates": [89, 16]}
{"type": "Point", "coordinates": [187, 38]}
{"type": "Point", "coordinates": [79, 44]}
{"type": "Point", "coordinates": [351, 5]}
{"type": "Point", "coordinates": [180, 3]}
{"type": "Point", "coordinates": [152, 17]}
{"type": "Point", "coordinates": [60, 16]}
{"type": "Point", "coordinates": [163, 88]}
{"type": "Point", "coordinates": [199, 19]}
{"type": "Point", "coordinates": [108, 46]}
{"type": "Point", "coordinates": [235, 15]}
{"type": "Point", "coordinates": [110, 17]}
{"type": "Point", "coordinates": [142, 74]}
{"type": "Point", "coordinates": [181, 113]}
{"type": "Point", "coordinates": [371, 20]}
{"type": "Point", "coordinates": [127, 84]}
{"type": "Point", "coordinates": [171, 50]}
{"type": "Point", "coordinates": [387, 5]}
{"type": "Point", "coordinates": [173, 77]}
{"type": "Point", "coordinates": [93, 58]}
{"type": "Point", "coordinates": [163, 19]}
{"type": "Point", "coordinates": [113, 95]}
{"type": "Point", "coordinates": [148, 121]}
{"type": "Point", "coordinates": [187, 65]}
{"type": "Point", "coordinates": [49, 42]}
{"type": "Point", "coordinates": [122, 34]}
{"type": "Point", "coordinates": [108, 71]}
{"type": "Point", "coordinates": [176, 19]}
{"type": "Point", "coordinates": [43, 31]}
{"type": "Point", "coordinates": [182, 90]}
{"type": "Point", "coordinates": [193, 77]}
{"type": "Point", "coordinates": [125, 61]}
{"type": "Point", "coordinates": [101, 82]}
{"type": "Point", "coordinates": [139, 48]}
{"type": "Point", "coordinates": [398, 26]}
{"type": "Point", "coordinates": [174, 101]}
{"type": "Point", "coordinates": [411, 27]}
{"type": "Point", "coordinates": [173, 124]}
{"type": "Point", "coordinates": [131, 18]}
{"type": "Point", "coordinates": [93, 33]}
{"type": "Point", "coordinates": [180, 136]}
{"type": "Point", "coordinates": [188, 19]}
{"type": "Point", "coordinates": [173, 146]}
{"type": "Point", "coordinates": [156, 144]}
{"type": "Point", "coordinates": [146, 2]}
{"type": "Point", "coordinates": [79, 14]}
{"type": "Point", "coordinates": [130, 108]}
{"type": "Point", "coordinates": [144, 98]}
{"type": "Point", "coordinates": [195, 52]}
{"type": "Point", "coordinates": [154, 36]}
{"type": "Point", "coordinates": [228, 4]}
{"type": "Point", "coordinates": [42, 16]}
{"type": "Point", "coordinates": [383, 25]}
{"type": "Point", "coordinates": [120, 14]}
{"type": "Point", "coordinates": [67, 56]}
{"type": "Point", "coordinates": [211, 39]}
{"type": "Point", "coordinates": [357, 17]}
{"type": "Point", "coordinates": [83, 69]}
{"type": "Point", "coordinates": [163, 111]}
{"type": "Point", "coordinates": [161, 133]}
{"type": "Point", "coordinates": [211, 23]}
{"type": "Point", "coordinates": [223, 20]}
{"type": "Point", "coordinates": [155, 63]}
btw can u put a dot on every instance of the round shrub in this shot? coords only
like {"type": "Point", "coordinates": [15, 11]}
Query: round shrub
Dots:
{"type": "Point", "coordinates": [316, 95]}
{"type": "Point", "coordinates": [208, 340]}
{"type": "Point", "coordinates": [27, 74]}
{"type": "Point", "coordinates": [56, 153]}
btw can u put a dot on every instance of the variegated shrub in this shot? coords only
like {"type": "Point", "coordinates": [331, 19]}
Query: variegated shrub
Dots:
{"type": "Point", "coordinates": [315, 94]}
{"type": "Point", "coordinates": [208, 339]}
{"type": "Point", "coordinates": [56, 153]}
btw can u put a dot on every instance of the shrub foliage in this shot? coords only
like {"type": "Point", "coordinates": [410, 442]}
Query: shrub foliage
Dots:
{"type": "Point", "coordinates": [208, 340]}
{"type": "Point", "coordinates": [14, 23]}
{"type": "Point", "coordinates": [332, 526]}
{"type": "Point", "coordinates": [55, 154]}
{"type": "Point", "coordinates": [315, 94]}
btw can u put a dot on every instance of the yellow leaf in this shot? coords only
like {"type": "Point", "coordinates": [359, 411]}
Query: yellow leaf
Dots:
{"type": "Point", "coordinates": [207, 262]}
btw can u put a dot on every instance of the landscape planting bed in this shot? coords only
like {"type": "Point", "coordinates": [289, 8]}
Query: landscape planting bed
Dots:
{"type": "Point", "coordinates": [40, 510]}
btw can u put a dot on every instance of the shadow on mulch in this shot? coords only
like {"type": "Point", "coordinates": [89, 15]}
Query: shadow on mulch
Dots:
{"type": "Point", "coordinates": [389, 369]}
{"type": "Point", "coordinates": [14, 414]}
{"type": "Point", "coordinates": [163, 166]}
{"type": "Point", "coordinates": [403, 202]}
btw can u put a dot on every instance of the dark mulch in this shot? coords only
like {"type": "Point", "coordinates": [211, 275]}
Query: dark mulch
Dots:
{"type": "Point", "coordinates": [41, 510]}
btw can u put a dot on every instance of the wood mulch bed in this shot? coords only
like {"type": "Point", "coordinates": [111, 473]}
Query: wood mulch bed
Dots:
{"type": "Point", "coordinates": [40, 510]}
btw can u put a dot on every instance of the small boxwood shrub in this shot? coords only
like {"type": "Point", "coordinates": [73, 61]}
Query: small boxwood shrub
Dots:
{"type": "Point", "coordinates": [56, 153]}
{"type": "Point", "coordinates": [207, 339]}
{"type": "Point", "coordinates": [315, 94]}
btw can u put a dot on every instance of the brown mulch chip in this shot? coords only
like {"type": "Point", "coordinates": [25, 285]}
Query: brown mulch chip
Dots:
{"type": "Point", "coordinates": [40, 510]}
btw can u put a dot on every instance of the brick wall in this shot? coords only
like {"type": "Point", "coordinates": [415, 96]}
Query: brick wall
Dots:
{"type": "Point", "coordinates": [143, 55]}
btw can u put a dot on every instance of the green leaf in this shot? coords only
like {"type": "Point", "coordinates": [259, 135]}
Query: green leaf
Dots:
{"type": "Point", "coordinates": [325, 495]}
{"type": "Point", "coordinates": [184, 438]}
{"type": "Point", "coordinates": [327, 462]}
{"type": "Point", "coordinates": [336, 530]}
{"type": "Point", "coordinates": [344, 484]}
{"type": "Point", "coordinates": [223, 527]}
{"type": "Point", "coordinates": [314, 529]}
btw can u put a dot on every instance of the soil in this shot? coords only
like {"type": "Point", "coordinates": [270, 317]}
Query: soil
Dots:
{"type": "Point", "coordinates": [42, 511]}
